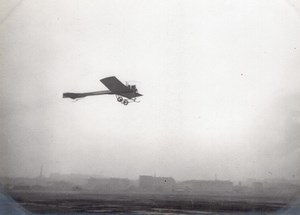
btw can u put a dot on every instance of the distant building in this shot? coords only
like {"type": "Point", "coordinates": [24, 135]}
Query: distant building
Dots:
{"type": "Point", "coordinates": [118, 184]}
{"type": "Point", "coordinates": [146, 182]}
{"type": "Point", "coordinates": [76, 179]}
{"type": "Point", "coordinates": [108, 185]}
{"type": "Point", "coordinates": [282, 188]}
{"type": "Point", "coordinates": [208, 187]}
{"type": "Point", "coordinates": [159, 184]}
{"type": "Point", "coordinates": [60, 186]}
{"type": "Point", "coordinates": [164, 184]}
{"type": "Point", "coordinates": [240, 188]}
{"type": "Point", "coordinates": [97, 184]}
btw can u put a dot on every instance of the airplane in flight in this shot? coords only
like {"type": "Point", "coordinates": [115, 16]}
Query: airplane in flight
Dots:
{"type": "Point", "coordinates": [123, 92]}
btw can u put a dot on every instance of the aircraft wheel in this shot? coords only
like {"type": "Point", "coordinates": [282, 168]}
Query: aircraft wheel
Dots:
{"type": "Point", "coordinates": [125, 102]}
{"type": "Point", "coordinates": [119, 99]}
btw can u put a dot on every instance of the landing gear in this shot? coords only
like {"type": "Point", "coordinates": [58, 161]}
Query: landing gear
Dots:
{"type": "Point", "coordinates": [122, 100]}
{"type": "Point", "coordinates": [125, 102]}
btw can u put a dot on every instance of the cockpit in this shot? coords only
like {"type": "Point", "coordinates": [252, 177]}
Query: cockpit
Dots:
{"type": "Point", "coordinates": [132, 87]}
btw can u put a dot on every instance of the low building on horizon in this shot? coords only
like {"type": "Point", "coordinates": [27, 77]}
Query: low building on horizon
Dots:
{"type": "Point", "coordinates": [207, 186]}
{"type": "Point", "coordinates": [156, 184]}
{"type": "Point", "coordinates": [109, 185]}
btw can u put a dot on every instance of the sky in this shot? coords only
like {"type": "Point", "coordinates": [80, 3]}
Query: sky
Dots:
{"type": "Point", "coordinates": [220, 81]}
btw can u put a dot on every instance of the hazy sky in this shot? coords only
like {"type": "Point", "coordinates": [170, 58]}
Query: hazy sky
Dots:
{"type": "Point", "coordinates": [220, 81]}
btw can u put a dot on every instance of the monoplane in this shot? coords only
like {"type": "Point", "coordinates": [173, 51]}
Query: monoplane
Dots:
{"type": "Point", "coordinates": [124, 93]}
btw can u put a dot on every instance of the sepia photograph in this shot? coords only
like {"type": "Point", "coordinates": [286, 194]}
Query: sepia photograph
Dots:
{"type": "Point", "coordinates": [158, 107]}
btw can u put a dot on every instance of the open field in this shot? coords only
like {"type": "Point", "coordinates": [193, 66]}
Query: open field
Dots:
{"type": "Point", "coordinates": [58, 202]}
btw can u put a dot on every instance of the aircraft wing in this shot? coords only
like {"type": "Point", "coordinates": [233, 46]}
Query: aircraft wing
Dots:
{"type": "Point", "coordinates": [130, 95]}
{"type": "Point", "coordinates": [114, 85]}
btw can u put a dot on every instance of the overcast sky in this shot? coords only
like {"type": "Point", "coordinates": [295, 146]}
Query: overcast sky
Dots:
{"type": "Point", "coordinates": [220, 81]}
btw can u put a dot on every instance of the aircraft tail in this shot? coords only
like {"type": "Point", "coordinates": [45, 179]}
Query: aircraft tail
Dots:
{"type": "Point", "coordinates": [81, 95]}
{"type": "Point", "coordinates": [73, 95]}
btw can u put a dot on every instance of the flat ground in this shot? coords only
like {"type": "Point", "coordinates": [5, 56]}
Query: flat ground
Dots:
{"type": "Point", "coordinates": [62, 202]}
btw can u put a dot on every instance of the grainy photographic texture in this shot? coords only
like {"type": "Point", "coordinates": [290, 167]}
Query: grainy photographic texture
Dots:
{"type": "Point", "coordinates": [216, 130]}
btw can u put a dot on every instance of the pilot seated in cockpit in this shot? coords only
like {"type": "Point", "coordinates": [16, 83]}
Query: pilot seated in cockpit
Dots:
{"type": "Point", "coordinates": [132, 87]}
